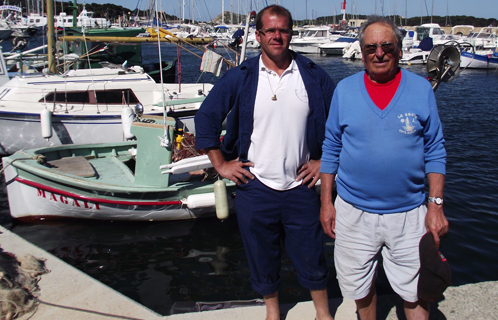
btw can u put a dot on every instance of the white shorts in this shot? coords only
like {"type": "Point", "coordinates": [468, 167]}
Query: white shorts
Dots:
{"type": "Point", "coordinates": [360, 236]}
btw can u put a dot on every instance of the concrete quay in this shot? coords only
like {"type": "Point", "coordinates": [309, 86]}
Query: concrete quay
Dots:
{"type": "Point", "coordinates": [67, 293]}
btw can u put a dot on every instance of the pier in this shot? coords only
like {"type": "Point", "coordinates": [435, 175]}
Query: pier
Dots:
{"type": "Point", "coordinates": [67, 293]}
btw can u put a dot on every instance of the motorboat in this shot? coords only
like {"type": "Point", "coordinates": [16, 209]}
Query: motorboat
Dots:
{"type": "Point", "coordinates": [353, 51]}
{"type": "Point", "coordinates": [186, 30]}
{"type": "Point", "coordinates": [418, 45]}
{"type": "Point", "coordinates": [252, 42]}
{"type": "Point", "coordinates": [123, 181]}
{"type": "Point", "coordinates": [480, 59]}
{"type": "Point", "coordinates": [84, 19]}
{"type": "Point", "coordinates": [418, 55]}
{"type": "Point", "coordinates": [311, 40]}
{"type": "Point", "coordinates": [427, 30]}
{"type": "Point", "coordinates": [223, 34]}
{"type": "Point", "coordinates": [38, 21]}
{"type": "Point", "coordinates": [16, 22]}
{"type": "Point", "coordinates": [485, 39]}
{"type": "Point", "coordinates": [337, 47]}
{"type": "Point", "coordinates": [414, 56]}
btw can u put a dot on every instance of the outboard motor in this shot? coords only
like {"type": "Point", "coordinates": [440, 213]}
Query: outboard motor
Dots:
{"type": "Point", "coordinates": [237, 36]}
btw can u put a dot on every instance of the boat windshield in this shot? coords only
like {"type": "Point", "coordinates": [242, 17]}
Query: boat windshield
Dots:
{"type": "Point", "coordinates": [310, 33]}
{"type": "Point", "coordinates": [424, 32]}
{"type": "Point", "coordinates": [117, 97]}
{"type": "Point", "coordinates": [316, 33]}
{"type": "Point", "coordinates": [221, 30]}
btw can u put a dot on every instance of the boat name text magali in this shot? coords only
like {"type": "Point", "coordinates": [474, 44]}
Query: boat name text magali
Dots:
{"type": "Point", "coordinates": [67, 200]}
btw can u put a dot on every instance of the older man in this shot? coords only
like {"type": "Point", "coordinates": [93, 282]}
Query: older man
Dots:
{"type": "Point", "coordinates": [383, 136]}
{"type": "Point", "coordinates": [277, 104]}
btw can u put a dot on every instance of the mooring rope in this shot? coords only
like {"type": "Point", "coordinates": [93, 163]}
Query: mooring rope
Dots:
{"type": "Point", "coordinates": [39, 158]}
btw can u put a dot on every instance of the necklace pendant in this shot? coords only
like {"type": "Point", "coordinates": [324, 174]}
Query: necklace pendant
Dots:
{"type": "Point", "coordinates": [274, 98]}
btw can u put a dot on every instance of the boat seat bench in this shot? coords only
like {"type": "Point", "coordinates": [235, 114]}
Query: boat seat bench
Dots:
{"type": "Point", "coordinates": [110, 169]}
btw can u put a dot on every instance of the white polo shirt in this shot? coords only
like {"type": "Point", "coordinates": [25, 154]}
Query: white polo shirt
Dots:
{"type": "Point", "coordinates": [278, 142]}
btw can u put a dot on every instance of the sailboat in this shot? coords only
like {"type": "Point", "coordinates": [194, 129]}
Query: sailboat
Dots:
{"type": "Point", "coordinates": [85, 105]}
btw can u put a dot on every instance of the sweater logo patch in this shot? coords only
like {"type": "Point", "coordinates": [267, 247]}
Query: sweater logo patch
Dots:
{"type": "Point", "coordinates": [408, 121]}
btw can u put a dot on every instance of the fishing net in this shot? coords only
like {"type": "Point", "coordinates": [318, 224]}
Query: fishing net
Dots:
{"type": "Point", "coordinates": [19, 279]}
{"type": "Point", "coordinates": [184, 147]}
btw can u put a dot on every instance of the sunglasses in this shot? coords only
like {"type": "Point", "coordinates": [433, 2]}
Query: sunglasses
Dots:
{"type": "Point", "coordinates": [387, 47]}
{"type": "Point", "coordinates": [272, 31]}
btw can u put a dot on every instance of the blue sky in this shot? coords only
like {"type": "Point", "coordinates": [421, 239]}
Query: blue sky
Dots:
{"type": "Point", "coordinates": [206, 9]}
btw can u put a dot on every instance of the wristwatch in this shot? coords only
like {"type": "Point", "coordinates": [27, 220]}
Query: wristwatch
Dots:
{"type": "Point", "coordinates": [436, 200]}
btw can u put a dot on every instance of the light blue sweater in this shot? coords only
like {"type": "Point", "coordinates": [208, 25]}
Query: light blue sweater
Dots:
{"type": "Point", "coordinates": [381, 156]}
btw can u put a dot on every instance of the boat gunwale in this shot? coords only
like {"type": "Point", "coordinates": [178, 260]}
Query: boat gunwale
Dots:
{"type": "Point", "coordinates": [92, 183]}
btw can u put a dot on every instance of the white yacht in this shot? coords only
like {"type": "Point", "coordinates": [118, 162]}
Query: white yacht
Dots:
{"type": "Point", "coordinates": [84, 19]}
{"type": "Point", "coordinates": [311, 40]}
{"type": "Point", "coordinates": [337, 47]}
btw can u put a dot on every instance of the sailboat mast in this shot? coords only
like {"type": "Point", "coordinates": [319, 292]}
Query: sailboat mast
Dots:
{"type": "Point", "coordinates": [432, 9]}
{"type": "Point", "coordinates": [50, 35]}
{"type": "Point", "coordinates": [406, 11]}
{"type": "Point", "coordinates": [343, 9]}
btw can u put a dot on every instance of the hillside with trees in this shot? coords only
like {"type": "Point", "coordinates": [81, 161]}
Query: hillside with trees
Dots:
{"type": "Point", "coordinates": [112, 11]}
{"type": "Point", "coordinates": [108, 10]}
{"type": "Point", "coordinates": [448, 21]}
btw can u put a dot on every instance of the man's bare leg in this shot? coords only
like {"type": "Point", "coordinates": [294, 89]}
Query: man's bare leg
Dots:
{"type": "Point", "coordinates": [321, 302]}
{"type": "Point", "coordinates": [417, 310]}
{"type": "Point", "coordinates": [367, 307]}
{"type": "Point", "coordinates": [272, 308]}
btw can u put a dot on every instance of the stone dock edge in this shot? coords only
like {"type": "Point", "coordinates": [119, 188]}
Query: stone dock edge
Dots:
{"type": "Point", "coordinates": [67, 293]}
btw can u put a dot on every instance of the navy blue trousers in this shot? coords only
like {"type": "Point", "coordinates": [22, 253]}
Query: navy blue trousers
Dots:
{"type": "Point", "coordinates": [266, 217]}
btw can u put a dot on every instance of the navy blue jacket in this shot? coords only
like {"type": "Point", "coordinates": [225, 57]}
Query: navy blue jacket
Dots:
{"type": "Point", "coordinates": [235, 94]}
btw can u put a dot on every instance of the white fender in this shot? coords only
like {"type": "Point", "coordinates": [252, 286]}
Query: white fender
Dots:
{"type": "Point", "coordinates": [46, 123]}
{"type": "Point", "coordinates": [221, 199]}
{"type": "Point", "coordinates": [203, 200]}
{"type": "Point", "coordinates": [127, 117]}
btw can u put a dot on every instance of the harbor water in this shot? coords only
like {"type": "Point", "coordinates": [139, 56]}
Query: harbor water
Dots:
{"type": "Point", "coordinates": [170, 266]}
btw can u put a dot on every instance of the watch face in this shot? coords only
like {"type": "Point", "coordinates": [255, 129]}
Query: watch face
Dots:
{"type": "Point", "coordinates": [438, 200]}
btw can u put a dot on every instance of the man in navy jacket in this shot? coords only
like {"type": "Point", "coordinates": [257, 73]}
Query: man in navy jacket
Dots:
{"type": "Point", "coordinates": [276, 106]}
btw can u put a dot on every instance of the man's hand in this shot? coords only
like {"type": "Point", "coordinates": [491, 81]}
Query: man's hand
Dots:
{"type": "Point", "coordinates": [309, 172]}
{"type": "Point", "coordinates": [327, 211]}
{"type": "Point", "coordinates": [435, 222]}
{"type": "Point", "coordinates": [327, 218]}
{"type": "Point", "coordinates": [233, 170]}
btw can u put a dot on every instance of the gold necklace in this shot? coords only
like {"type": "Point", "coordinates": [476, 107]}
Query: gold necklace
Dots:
{"type": "Point", "coordinates": [274, 98]}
